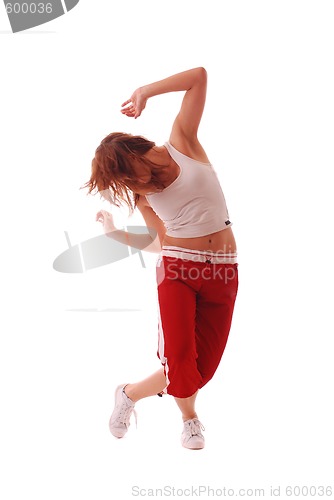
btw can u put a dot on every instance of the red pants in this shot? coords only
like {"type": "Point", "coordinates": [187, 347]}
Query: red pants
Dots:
{"type": "Point", "coordinates": [196, 302]}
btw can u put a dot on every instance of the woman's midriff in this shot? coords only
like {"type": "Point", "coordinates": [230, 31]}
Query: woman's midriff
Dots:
{"type": "Point", "coordinates": [222, 242]}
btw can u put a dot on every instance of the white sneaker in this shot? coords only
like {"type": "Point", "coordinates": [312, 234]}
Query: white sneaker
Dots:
{"type": "Point", "coordinates": [192, 436]}
{"type": "Point", "coordinates": [120, 418]}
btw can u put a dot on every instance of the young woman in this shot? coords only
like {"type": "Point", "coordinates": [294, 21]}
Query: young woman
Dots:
{"type": "Point", "coordinates": [178, 193]}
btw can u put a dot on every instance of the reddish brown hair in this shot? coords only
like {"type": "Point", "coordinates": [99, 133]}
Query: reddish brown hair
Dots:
{"type": "Point", "coordinates": [113, 173]}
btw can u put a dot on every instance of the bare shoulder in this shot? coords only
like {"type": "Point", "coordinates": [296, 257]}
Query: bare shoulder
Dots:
{"type": "Point", "coordinates": [142, 202]}
{"type": "Point", "coordinates": [193, 149]}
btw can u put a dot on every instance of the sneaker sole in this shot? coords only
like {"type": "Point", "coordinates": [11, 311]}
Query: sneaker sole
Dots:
{"type": "Point", "coordinates": [198, 448]}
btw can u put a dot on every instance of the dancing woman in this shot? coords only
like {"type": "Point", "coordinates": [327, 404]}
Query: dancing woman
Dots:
{"type": "Point", "coordinates": [178, 193]}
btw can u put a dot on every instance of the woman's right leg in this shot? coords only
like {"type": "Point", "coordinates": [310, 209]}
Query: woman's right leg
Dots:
{"type": "Point", "coordinates": [126, 395]}
{"type": "Point", "coordinates": [150, 386]}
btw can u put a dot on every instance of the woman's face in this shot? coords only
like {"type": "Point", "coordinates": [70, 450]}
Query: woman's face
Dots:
{"type": "Point", "coordinates": [140, 183]}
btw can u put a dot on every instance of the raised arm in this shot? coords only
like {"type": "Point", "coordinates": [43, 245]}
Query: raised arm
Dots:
{"type": "Point", "coordinates": [193, 82]}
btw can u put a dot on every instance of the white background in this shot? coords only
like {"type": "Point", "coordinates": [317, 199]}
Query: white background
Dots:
{"type": "Point", "coordinates": [67, 340]}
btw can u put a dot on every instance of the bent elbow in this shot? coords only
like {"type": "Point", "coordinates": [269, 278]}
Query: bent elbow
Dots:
{"type": "Point", "coordinates": [202, 73]}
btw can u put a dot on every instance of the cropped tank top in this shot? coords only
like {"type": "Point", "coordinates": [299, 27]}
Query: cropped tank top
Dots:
{"type": "Point", "coordinates": [193, 204]}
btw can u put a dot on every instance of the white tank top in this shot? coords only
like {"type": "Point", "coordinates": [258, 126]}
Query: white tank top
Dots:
{"type": "Point", "coordinates": [193, 204]}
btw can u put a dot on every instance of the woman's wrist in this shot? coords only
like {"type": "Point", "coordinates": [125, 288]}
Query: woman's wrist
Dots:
{"type": "Point", "coordinates": [110, 229]}
{"type": "Point", "coordinates": [144, 92]}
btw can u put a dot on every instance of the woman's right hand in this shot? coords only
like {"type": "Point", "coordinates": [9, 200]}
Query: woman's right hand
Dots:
{"type": "Point", "coordinates": [106, 220]}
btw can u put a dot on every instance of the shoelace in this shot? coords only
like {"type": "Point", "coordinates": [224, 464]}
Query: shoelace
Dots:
{"type": "Point", "coordinates": [194, 427]}
{"type": "Point", "coordinates": [125, 414]}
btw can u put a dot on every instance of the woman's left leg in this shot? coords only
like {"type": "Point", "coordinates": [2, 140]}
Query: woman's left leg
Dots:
{"type": "Point", "coordinates": [214, 310]}
{"type": "Point", "coordinates": [191, 437]}
{"type": "Point", "coordinates": [187, 406]}
{"type": "Point", "coordinates": [215, 307]}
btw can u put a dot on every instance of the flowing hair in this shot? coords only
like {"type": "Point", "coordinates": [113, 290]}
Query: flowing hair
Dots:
{"type": "Point", "coordinates": [113, 174]}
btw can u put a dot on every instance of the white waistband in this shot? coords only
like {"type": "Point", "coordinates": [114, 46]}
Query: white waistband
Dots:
{"type": "Point", "coordinates": [199, 255]}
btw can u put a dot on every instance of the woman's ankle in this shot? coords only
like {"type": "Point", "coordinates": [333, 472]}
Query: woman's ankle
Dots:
{"type": "Point", "coordinates": [130, 393]}
{"type": "Point", "coordinates": [189, 416]}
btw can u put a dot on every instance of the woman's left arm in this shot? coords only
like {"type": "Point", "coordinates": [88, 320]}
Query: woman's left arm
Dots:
{"type": "Point", "coordinates": [193, 82]}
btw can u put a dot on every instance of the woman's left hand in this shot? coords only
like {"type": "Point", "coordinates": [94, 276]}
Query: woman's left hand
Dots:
{"type": "Point", "coordinates": [134, 106]}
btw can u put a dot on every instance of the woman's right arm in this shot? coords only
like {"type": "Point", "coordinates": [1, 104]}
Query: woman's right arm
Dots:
{"type": "Point", "coordinates": [150, 242]}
